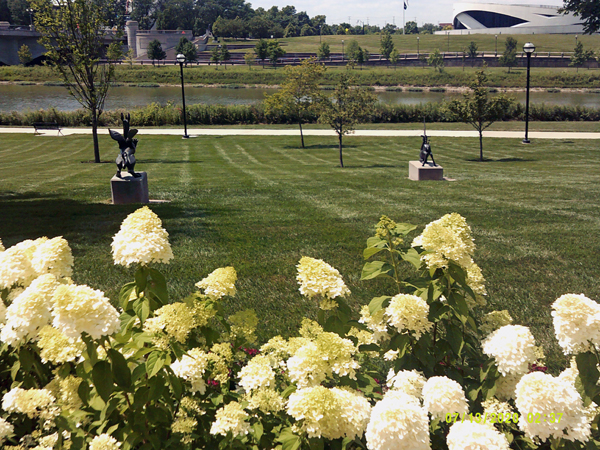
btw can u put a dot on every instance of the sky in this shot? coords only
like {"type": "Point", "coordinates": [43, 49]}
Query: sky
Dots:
{"type": "Point", "coordinates": [382, 12]}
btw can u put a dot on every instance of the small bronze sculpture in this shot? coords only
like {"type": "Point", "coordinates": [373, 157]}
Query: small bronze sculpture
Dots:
{"type": "Point", "coordinates": [426, 148]}
{"type": "Point", "coordinates": [127, 145]}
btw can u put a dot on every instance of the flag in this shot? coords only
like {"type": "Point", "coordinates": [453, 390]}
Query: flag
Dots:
{"type": "Point", "coordinates": [405, 5]}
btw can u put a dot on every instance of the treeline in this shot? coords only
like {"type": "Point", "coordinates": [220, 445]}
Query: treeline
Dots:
{"type": "Point", "coordinates": [155, 115]}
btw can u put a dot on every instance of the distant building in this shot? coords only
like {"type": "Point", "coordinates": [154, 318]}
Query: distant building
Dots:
{"type": "Point", "coordinates": [496, 18]}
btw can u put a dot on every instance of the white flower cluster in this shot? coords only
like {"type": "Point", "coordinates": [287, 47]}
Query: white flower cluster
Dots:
{"type": "Point", "coordinates": [540, 393]}
{"type": "Point", "coordinates": [104, 442]}
{"type": "Point", "coordinates": [475, 436]}
{"type": "Point", "coordinates": [191, 367]}
{"type": "Point", "coordinates": [219, 282]}
{"type": "Point", "coordinates": [53, 256]}
{"type": "Point", "coordinates": [329, 413]}
{"type": "Point", "coordinates": [513, 348]}
{"type": "Point", "coordinates": [376, 323]}
{"type": "Point", "coordinates": [441, 396]}
{"type": "Point", "coordinates": [408, 313]}
{"type": "Point", "coordinates": [6, 428]}
{"type": "Point", "coordinates": [58, 348]}
{"type": "Point", "coordinates": [316, 360]}
{"type": "Point", "coordinates": [410, 382]}
{"type": "Point", "coordinates": [141, 239]}
{"type": "Point", "coordinates": [576, 321]}
{"type": "Point", "coordinates": [316, 277]}
{"type": "Point", "coordinates": [231, 417]}
{"type": "Point", "coordinates": [398, 422]}
{"type": "Point", "coordinates": [33, 402]}
{"type": "Point", "coordinates": [81, 309]}
{"type": "Point", "coordinates": [257, 374]}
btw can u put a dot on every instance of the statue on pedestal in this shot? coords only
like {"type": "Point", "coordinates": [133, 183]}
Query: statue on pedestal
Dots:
{"type": "Point", "coordinates": [127, 146]}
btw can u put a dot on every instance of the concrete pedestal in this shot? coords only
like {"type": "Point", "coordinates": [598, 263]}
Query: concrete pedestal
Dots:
{"type": "Point", "coordinates": [419, 172]}
{"type": "Point", "coordinates": [129, 189]}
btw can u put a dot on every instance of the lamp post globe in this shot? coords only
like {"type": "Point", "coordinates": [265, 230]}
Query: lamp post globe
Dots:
{"type": "Point", "coordinates": [528, 48]}
{"type": "Point", "coordinates": [181, 59]}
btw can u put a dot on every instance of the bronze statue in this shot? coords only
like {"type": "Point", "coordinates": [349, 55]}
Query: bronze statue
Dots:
{"type": "Point", "coordinates": [127, 145]}
{"type": "Point", "coordinates": [426, 148]}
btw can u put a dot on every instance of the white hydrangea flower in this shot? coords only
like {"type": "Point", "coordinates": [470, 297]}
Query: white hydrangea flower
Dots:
{"type": "Point", "coordinates": [576, 321]}
{"type": "Point", "coordinates": [398, 422]}
{"type": "Point", "coordinates": [506, 385]}
{"type": "Point", "coordinates": [267, 400]}
{"type": "Point", "coordinates": [441, 396]}
{"type": "Point", "coordinates": [15, 264]}
{"type": "Point", "coordinates": [447, 239]}
{"type": "Point", "coordinates": [376, 323]}
{"type": "Point", "coordinates": [2, 313]}
{"type": "Point", "coordinates": [512, 347]}
{"type": "Point", "coordinates": [495, 406]}
{"type": "Point", "coordinates": [219, 282]}
{"type": "Point", "coordinates": [1, 246]}
{"type": "Point", "coordinates": [81, 309]}
{"type": "Point", "coordinates": [30, 311]}
{"type": "Point", "coordinates": [58, 348]}
{"type": "Point", "coordinates": [231, 417]}
{"type": "Point", "coordinates": [53, 256]}
{"type": "Point", "coordinates": [141, 239]}
{"type": "Point", "coordinates": [104, 442]}
{"type": "Point", "coordinates": [410, 382]}
{"type": "Point", "coordinates": [6, 429]}
{"type": "Point", "coordinates": [475, 436]}
{"type": "Point", "coordinates": [33, 402]}
{"type": "Point", "coordinates": [191, 367]}
{"type": "Point", "coordinates": [543, 394]}
{"type": "Point", "coordinates": [257, 374]}
{"type": "Point", "coordinates": [409, 313]}
{"type": "Point", "coordinates": [316, 277]}
{"type": "Point", "coordinates": [329, 413]}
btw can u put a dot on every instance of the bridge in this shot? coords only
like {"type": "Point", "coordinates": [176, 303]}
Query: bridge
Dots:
{"type": "Point", "coordinates": [12, 38]}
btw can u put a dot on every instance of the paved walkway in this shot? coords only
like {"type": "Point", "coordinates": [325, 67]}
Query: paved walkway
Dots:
{"type": "Point", "coordinates": [197, 132]}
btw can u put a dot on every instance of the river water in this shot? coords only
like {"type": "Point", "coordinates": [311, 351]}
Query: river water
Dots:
{"type": "Point", "coordinates": [34, 97]}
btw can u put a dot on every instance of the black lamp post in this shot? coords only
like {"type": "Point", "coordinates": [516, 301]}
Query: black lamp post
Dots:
{"type": "Point", "coordinates": [30, 11]}
{"type": "Point", "coordinates": [496, 45]}
{"type": "Point", "coordinates": [181, 59]}
{"type": "Point", "coordinates": [342, 50]}
{"type": "Point", "coordinates": [320, 33]}
{"type": "Point", "coordinates": [418, 54]}
{"type": "Point", "coordinates": [448, 36]}
{"type": "Point", "coordinates": [528, 48]}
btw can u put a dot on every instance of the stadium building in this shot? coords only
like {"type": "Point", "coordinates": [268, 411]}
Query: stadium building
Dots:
{"type": "Point", "coordinates": [497, 18]}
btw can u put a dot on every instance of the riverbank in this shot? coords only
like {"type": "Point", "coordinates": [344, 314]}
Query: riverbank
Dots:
{"type": "Point", "coordinates": [376, 77]}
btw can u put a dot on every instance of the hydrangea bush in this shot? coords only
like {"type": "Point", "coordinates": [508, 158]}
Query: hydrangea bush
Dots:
{"type": "Point", "coordinates": [418, 368]}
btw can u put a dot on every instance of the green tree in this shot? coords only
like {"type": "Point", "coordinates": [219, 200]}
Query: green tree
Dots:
{"type": "Point", "coordinates": [344, 108]}
{"type": "Point", "coordinates": [190, 51]}
{"type": "Point", "coordinates": [24, 54]}
{"type": "Point", "coordinates": [587, 10]}
{"type": "Point", "coordinates": [274, 51]}
{"type": "Point", "coordinates": [394, 57]}
{"type": "Point", "coordinates": [472, 52]}
{"type": "Point", "coordinates": [580, 56]}
{"type": "Point", "coordinates": [130, 57]}
{"type": "Point", "coordinates": [353, 51]}
{"type": "Point", "coordinates": [436, 60]}
{"type": "Point", "coordinates": [225, 54]}
{"type": "Point", "coordinates": [73, 32]}
{"type": "Point", "coordinates": [300, 92]}
{"type": "Point", "coordinates": [114, 52]}
{"type": "Point", "coordinates": [155, 51]}
{"type": "Point", "coordinates": [411, 27]}
{"type": "Point", "coordinates": [262, 50]}
{"type": "Point", "coordinates": [478, 109]}
{"type": "Point", "coordinates": [323, 51]}
{"type": "Point", "coordinates": [18, 12]}
{"type": "Point", "coordinates": [509, 57]}
{"type": "Point", "coordinates": [386, 45]}
{"type": "Point", "coordinates": [215, 56]}
{"type": "Point", "coordinates": [249, 58]}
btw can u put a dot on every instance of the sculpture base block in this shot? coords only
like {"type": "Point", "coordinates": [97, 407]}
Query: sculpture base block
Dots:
{"type": "Point", "coordinates": [129, 189]}
{"type": "Point", "coordinates": [419, 172]}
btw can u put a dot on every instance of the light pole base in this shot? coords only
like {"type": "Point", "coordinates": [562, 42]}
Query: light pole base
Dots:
{"type": "Point", "coordinates": [526, 141]}
{"type": "Point", "coordinates": [185, 136]}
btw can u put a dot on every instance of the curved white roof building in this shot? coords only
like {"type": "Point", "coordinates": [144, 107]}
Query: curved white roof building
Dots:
{"type": "Point", "coordinates": [497, 18]}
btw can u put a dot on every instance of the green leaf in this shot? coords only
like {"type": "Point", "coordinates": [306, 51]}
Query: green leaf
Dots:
{"type": "Point", "coordinates": [120, 371]}
{"type": "Point", "coordinates": [158, 286]}
{"type": "Point", "coordinates": [404, 228]}
{"type": "Point", "coordinates": [142, 308]}
{"type": "Point", "coordinates": [369, 348]}
{"type": "Point", "coordinates": [378, 303]}
{"type": "Point", "coordinates": [103, 380]}
{"type": "Point", "coordinates": [84, 392]}
{"type": "Point", "coordinates": [316, 444]}
{"type": "Point", "coordinates": [400, 343]}
{"type": "Point", "coordinates": [127, 320]}
{"type": "Point", "coordinates": [412, 256]}
{"type": "Point", "coordinates": [588, 373]}
{"type": "Point", "coordinates": [370, 251]}
{"type": "Point", "coordinates": [157, 385]}
{"type": "Point", "coordinates": [288, 391]}
{"type": "Point", "coordinates": [455, 337]}
{"type": "Point", "coordinates": [155, 362]}
{"type": "Point", "coordinates": [289, 440]}
{"type": "Point", "coordinates": [376, 269]}
{"type": "Point", "coordinates": [258, 430]}
{"type": "Point", "coordinates": [376, 241]}
{"type": "Point", "coordinates": [141, 278]}
{"type": "Point", "coordinates": [125, 294]}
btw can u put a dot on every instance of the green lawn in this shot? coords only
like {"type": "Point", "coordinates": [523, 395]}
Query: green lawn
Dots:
{"type": "Point", "coordinates": [260, 204]}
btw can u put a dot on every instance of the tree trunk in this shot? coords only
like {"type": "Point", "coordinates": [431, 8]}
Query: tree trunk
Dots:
{"type": "Point", "coordinates": [341, 158]}
{"type": "Point", "coordinates": [480, 145]}
{"type": "Point", "coordinates": [95, 135]}
{"type": "Point", "coordinates": [301, 135]}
